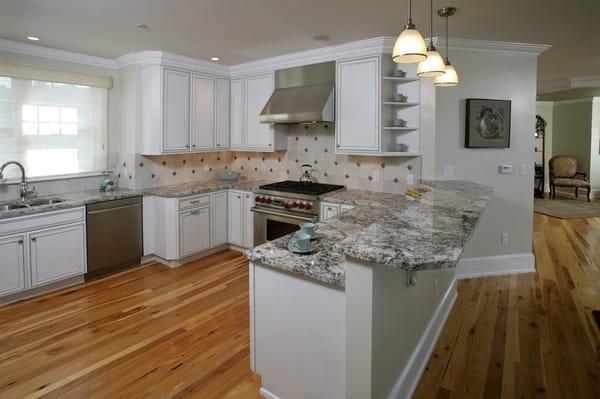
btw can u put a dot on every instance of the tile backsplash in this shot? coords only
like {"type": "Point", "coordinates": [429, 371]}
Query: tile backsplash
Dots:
{"type": "Point", "coordinates": [307, 144]}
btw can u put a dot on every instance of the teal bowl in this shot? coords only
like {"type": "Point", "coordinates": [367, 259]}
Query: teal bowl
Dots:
{"type": "Point", "coordinates": [228, 175]}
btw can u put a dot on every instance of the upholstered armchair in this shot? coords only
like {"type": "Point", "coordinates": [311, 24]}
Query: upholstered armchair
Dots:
{"type": "Point", "coordinates": [564, 173]}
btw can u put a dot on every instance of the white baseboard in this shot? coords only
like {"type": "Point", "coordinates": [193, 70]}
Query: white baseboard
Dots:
{"type": "Point", "coordinates": [264, 392]}
{"type": "Point", "coordinates": [495, 265]}
{"type": "Point", "coordinates": [408, 381]}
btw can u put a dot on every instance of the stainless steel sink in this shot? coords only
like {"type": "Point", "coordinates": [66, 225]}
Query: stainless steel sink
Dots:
{"type": "Point", "coordinates": [9, 207]}
{"type": "Point", "coordinates": [45, 201]}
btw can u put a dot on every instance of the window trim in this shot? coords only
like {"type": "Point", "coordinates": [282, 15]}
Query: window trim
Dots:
{"type": "Point", "coordinates": [11, 181]}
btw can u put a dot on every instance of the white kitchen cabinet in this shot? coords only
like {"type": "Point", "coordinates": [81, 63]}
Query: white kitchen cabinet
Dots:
{"type": "Point", "coordinates": [328, 210]}
{"type": "Point", "coordinates": [248, 220]}
{"type": "Point", "coordinates": [235, 220]}
{"type": "Point", "coordinates": [12, 264]}
{"type": "Point", "coordinates": [203, 113]}
{"type": "Point", "coordinates": [237, 113]}
{"type": "Point", "coordinates": [241, 218]}
{"type": "Point", "coordinates": [219, 218]}
{"type": "Point", "coordinates": [57, 253]}
{"type": "Point", "coordinates": [249, 95]}
{"type": "Point", "coordinates": [222, 120]}
{"type": "Point", "coordinates": [194, 231]}
{"type": "Point", "coordinates": [358, 103]}
{"type": "Point", "coordinates": [176, 110]}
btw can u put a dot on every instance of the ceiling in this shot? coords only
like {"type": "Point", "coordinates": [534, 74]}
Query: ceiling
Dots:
{"type": "Point", "coordinates": [244, 30]}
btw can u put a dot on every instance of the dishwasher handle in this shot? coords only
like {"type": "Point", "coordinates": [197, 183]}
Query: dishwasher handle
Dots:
{"type": "Point", "coordinates": [116, 208]}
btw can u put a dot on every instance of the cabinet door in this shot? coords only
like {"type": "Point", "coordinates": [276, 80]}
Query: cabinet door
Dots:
{"type": "Point", "coordinates": [248, 220]}
{"type": "Point", "coordinates": [328, 210]}
{"type": "Point", "coordinates": [218, 209]}
{"type": "Point", "coordinates": [203, 113]}
{"type": "Point", "coordinates": [258, 90]}
{"type": "Point", "coordinates": [222, 113]}
{"type": "Point", "coordinates": [194, 231]}
{"type": "Point", "coordinates": [57, 253]}
{"type": "Point", "coordinates": [237, 113]}
{"type": "Point", "coordinates": [176, 110]}
{"type": "Point", "coordinates": [358, 105]}
{"type": "Point", "coordinates": [12, 265]}
{"type": "Point", "coordinates": [235, 220]}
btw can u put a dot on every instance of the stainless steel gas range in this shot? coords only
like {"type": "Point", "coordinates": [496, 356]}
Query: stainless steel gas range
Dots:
{"type": "Point", "coordinates": [281, 207]}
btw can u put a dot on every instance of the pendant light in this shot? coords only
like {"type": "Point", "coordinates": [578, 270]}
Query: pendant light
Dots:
{"type": "Point", "coordinates": [434, 64]}
{"type": "Point", "coordinates": [410, 46]}
{"type": "Point", "coordinates": [450, 77]}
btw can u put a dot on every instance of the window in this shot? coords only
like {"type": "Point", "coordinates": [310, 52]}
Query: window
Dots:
{"type": "Point", "coordinates": [52, 128]}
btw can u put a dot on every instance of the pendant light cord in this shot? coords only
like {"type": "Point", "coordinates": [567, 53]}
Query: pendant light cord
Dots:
{"type": "Point", "coordinates": [447, 46]}
{"type": "Point", "coordinates": [410, 12]}
{"type": "Point", "coordinates": [431, 25]}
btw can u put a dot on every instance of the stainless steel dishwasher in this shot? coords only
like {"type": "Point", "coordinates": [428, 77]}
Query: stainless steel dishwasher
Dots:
{"type": "Point", "coordinates": [114, 235]}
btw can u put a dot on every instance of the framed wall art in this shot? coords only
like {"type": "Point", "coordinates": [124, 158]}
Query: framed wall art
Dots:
{"type": "Point", "coordinates": [487, 123]}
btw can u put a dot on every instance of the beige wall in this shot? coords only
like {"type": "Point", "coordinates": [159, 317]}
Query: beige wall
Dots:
{"type": "Point", "coordinates": [595, 146]}
{"type": "Point", "coordinates": [572, 130]}
{"type": "Point", "coordinates": [495, 76]}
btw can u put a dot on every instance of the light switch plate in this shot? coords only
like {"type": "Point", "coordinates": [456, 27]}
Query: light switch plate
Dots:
{"type": "Point", "coordinates": [376, 175]}
{"type": "Point", "coordinates": [449, 171]}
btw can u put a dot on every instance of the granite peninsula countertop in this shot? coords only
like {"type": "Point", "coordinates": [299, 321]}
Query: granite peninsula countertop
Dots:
{"type": "Point", "coordinates": [387, 229]}
{"type": "Point", "coordinates": [69, 200]}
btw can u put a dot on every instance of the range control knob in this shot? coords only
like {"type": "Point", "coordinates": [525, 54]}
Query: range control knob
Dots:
{"type": "Point", "coordinates": [308, 206]}
{"type": "Point", "coordinates": [288, 205]}
{"type": "Point", "coordinates": [258, 198]}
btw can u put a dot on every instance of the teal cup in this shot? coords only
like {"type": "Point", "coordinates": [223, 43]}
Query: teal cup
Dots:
{"type": "Point", "coordinates": [301, 242]}
{"type": "Point", "coordinates": [309, 228]}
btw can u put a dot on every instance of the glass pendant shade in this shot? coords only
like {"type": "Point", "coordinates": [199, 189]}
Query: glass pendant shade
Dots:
{"type": "Point", "coordinates": [448, 79]}
{"type": "Point", "coordinates": [433, 66]}
{"type": "Point", "coordinates": [409, 47]}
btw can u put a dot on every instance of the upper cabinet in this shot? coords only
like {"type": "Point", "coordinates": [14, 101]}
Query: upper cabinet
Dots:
{"type": "Point", "coordinates": [377, 108]}
{"type": "Point", "coordinates": [182, 111]}
{"type": "Point", "coordinates": [248, 97]}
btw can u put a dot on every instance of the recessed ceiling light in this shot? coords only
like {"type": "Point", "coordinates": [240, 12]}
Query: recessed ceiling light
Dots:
{"type": "Point", "coordinates": [143, 26]}
{"type": "Point", "coordinates": [215, 58]}
{"type": "Point", "coordinates": [33, 38]}
{"type": "Point", "coordinates": [321, 38]}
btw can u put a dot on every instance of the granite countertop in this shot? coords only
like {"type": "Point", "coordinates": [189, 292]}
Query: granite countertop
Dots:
{"type": "Point", "coordinates": [69, 200]}
{"type": "Point", "coordinates": [82, 198]}
{"type": "Point", "coordinates": [201, 187]}
{"type": "Point", "coordinates": [387, 229]}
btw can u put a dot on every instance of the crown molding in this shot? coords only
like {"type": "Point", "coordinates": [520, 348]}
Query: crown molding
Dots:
{"type": "Point", "coordinates": [582, 82]}
{"type": "Point", "coordinates": [491, 45]}
{"type": "Point", "coordinates": [376, 45]}
{"type": "Point", "coordinates": [145, 58]}
{"type": "Point", "coordinates": [55, 54]}
{"type": "Point", "coordinates": [549, 86]}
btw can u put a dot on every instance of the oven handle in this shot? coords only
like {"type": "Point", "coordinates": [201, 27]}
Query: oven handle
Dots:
{"type": "Point", "coordinates": [287, 215]}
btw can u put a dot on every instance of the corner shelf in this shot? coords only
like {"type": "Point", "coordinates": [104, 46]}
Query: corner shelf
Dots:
{"type": "Point", "coordinates": [400, 104]}
{"type": "Point", "coordinates": [399, 79]}
{"type": "Point", "coordinates": [407, 128]}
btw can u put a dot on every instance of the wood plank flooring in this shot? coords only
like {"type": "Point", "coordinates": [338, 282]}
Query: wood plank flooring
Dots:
{"type": "Point", "coordinates": [155, 332]}
{"type": "Point", "coordinates": [529, 335]}
{"type": "Point", "coordinates": [148, 332]}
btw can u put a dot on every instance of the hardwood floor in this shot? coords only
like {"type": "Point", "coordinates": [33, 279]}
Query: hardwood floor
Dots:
{"type": "Point", "coordinates": [158, 332]}
{"type": "Point", "coordinates": [149, 332]}
{"type": "Point", "coordinates": [529, 335]}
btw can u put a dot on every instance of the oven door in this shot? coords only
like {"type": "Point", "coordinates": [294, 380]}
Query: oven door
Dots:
{"type": "Point", "coordinates": [270, 224]}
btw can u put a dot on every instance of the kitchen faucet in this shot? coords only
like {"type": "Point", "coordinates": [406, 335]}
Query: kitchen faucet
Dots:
{"type": "Point", "coordinates": [24, 191]}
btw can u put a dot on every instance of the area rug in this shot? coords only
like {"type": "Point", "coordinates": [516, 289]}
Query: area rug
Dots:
{"type": "Point", "coordinates": [567, 207]}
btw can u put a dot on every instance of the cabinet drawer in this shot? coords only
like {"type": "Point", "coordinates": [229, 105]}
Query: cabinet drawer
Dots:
{"type": "Point", "coordinates": [42, 220]}
{"type": "Point", "coordinates": [194, 202]}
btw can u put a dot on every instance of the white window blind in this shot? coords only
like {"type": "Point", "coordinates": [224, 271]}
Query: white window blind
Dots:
{"type": "Point", "coordinates": [52, 128]}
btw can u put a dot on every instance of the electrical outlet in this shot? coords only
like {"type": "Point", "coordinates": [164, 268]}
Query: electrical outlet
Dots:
{"type": "Point", "coordinates": [504, 238]}
{"type": "Point", "coordinates": [375, 175]}
{"type": "Point", "coordinates": [449, 171]}
{"type": "Point", "coordinates": [410, 179]}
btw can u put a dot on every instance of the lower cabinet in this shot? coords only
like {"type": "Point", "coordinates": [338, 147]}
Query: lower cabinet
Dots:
{"type": "Point", "coordinates": [219, 217]}
{"type": "Point", "coordinates": [241, 218]}
{"type": "Point", "coordinates": [37, 250]}
{"type": "Point", "coordinates": [194, 231]}
{"type": "Point", "coordinates": [12, 261]}
{"type": "Point", "coordinates": [56, 253]}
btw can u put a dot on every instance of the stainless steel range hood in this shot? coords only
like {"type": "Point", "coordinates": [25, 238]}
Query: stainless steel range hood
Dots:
{"type": "Point", "coordinates": [302, 95]}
